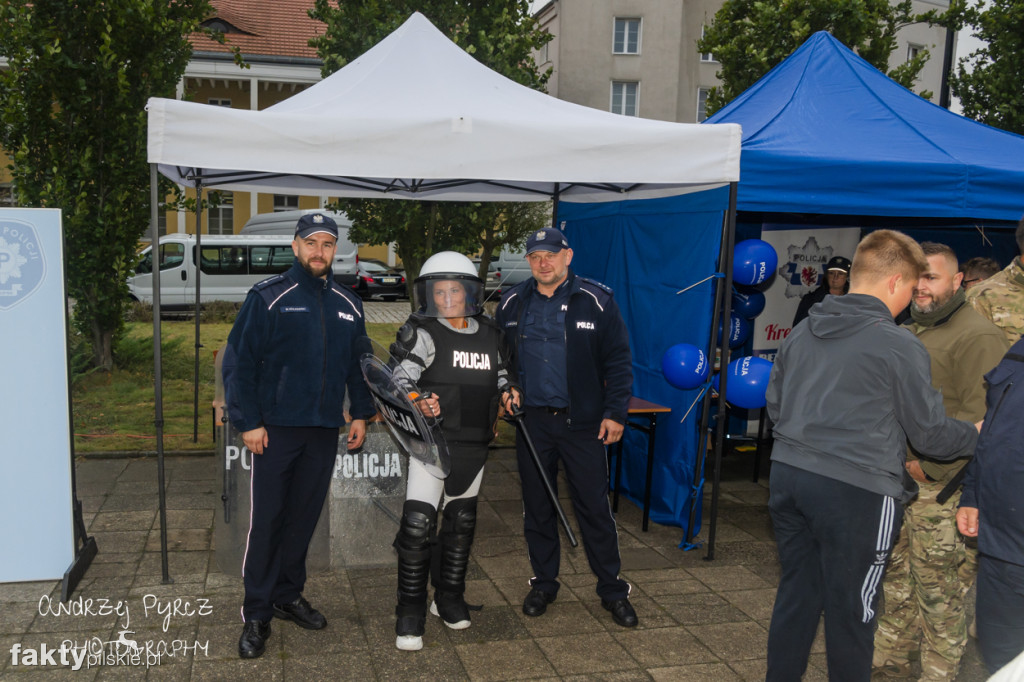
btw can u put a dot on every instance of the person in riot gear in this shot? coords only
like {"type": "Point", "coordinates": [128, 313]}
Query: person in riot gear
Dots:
{"type": "Point", "coordinates": [456, 356]}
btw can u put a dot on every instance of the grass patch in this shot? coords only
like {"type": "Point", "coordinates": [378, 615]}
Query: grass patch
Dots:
{"type": "Point", "coordinates": [117, 410]}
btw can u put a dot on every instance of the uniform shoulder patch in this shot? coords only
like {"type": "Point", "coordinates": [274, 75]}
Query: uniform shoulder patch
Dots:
{"type": "Point", "coordinates": [602, 287]}
{"type": "Point", "coordinates": [269, 281]}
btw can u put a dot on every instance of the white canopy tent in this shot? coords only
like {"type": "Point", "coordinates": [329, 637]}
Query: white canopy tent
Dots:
{"type": "Point", "coordinates": [416, 117]}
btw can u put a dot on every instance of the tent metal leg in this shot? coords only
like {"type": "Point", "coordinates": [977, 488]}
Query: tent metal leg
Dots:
{"type": "Point", "coordinates": [158, 366]}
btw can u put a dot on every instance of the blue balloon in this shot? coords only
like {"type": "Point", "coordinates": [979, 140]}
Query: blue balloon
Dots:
{"type": "Point", "coordinates": [748, 304]}
{"type": "Point", "coordinates": [748, 381]}
{"type": "Point", "coordinates": [753, 261]}
{"type": "Point", "coordinates": [739, 330]}
{"type": "Point", "coordinates": [685, 366]}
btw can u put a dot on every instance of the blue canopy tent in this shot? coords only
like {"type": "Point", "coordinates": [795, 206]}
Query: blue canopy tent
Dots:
{"type": "Point", "coordinates": [827, 139]}
{"type": "Point", "coordinates": [824, 132]}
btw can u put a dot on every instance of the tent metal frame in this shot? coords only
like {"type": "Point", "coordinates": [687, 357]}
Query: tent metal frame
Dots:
{"type": "Point", "coordinates": [722, 302]}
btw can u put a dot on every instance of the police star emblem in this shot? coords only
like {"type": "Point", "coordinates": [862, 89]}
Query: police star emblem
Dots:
{"type": "Point", "coordinates": [22, 267]}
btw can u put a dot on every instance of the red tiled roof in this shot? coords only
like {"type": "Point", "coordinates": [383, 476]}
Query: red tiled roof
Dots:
{"type": "Point", "coordinates": [279, 28]}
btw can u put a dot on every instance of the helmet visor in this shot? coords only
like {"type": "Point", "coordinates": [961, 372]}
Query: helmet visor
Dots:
{"type": "Point", "coordinates": [448, 295]}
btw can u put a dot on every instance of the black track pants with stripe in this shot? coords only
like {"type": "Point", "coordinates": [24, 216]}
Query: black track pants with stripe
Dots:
{"type": "Point", "coordinates": [834, 541]}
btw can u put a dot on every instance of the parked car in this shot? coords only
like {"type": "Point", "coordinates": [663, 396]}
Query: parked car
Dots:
{"type": "Point", "coordinates": [376, 279]}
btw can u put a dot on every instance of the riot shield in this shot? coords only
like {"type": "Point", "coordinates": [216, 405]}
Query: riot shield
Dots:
{"type": "Point", "coordinates": [395, 394]}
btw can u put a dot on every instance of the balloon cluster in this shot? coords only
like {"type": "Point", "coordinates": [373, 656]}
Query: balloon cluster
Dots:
{"type": "Point", "coordinates": [686, 367]}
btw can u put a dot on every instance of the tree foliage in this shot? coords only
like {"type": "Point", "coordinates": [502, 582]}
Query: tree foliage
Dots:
{"type": "Point", "coordinates": [749, 37]}
{"type": "Point", "coordinates": [988, 81]}
{"type": "Point", "coordinates": [500, 34]}
{"type": "Point", "coordinates": [73, 120]}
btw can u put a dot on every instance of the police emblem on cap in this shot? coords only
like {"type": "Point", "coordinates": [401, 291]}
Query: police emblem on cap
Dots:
{"type": "Point", "coordinates": [317, 218]}
{"type": "Point", "coordinates": [540, 235]}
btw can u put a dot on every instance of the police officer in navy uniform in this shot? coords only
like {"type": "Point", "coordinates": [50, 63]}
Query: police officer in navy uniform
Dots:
{"type": "Point", "coordinates": [570, 355]}
{"type": "Point", "coordinates": [450, 350]}
{"type": "Point", "coordinates": [292, 353]}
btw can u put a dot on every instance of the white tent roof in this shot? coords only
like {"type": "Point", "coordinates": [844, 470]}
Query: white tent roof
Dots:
{"type": "Point", "coordinates": [416, 117]}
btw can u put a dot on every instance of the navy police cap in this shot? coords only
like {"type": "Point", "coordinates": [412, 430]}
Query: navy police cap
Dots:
{"type": "Point", "coordinates": [547, 239]}
{"type": "Point", "coordinates": [311, 223]}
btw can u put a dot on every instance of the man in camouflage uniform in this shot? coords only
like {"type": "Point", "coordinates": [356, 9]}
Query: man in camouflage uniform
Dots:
{"type": "Point", "coordinates": [931, 569]}
{"type": "Point", "coordinates": [1000, 298]}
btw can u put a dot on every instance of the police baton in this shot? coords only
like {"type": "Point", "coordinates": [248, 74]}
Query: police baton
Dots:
{"type": "Point", "coordinates": [517, 417]}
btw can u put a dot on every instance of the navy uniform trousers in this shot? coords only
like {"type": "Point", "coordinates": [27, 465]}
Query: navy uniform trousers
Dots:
{"type": "Point", "coordinates": [289, 484]}
{"type": "Point", "coordinates": [586, 471]}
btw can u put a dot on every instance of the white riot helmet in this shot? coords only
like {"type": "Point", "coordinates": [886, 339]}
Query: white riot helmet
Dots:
{"type": "Point", "coordinates": [449, 286]}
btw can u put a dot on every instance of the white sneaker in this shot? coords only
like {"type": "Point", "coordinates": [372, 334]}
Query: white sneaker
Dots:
{"type": "Point", "coordinates": [409, 642]}
{"type": "Point", "coordinates": [460, 617]}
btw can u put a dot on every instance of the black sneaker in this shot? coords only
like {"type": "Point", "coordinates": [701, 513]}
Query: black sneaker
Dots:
{"type": "Point", "coordinates": [452, 609]}
{"type": "Point", "coordinates": [303, 615]}
{"type": "Point", "coordinates": [253, 641]}
{"type": "Point", "coordinates": [536, 602]}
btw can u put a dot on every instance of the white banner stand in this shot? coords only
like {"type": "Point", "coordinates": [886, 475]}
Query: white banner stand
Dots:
{"type": "Point", "coordinates": [42, 528]}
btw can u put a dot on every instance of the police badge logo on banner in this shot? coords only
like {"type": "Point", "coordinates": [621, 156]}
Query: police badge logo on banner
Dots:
{"type": "Point", "coordinates": [22, 266]}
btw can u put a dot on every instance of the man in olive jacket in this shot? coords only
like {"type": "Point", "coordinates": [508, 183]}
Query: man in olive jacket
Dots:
{"type": "Point", "coordinates": [931, 567]}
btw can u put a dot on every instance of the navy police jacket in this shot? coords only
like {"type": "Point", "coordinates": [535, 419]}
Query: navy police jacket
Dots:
{"type": "Point", "coordinates": [599, 365]}
{"type": "Point", "coordinates": [293, 351]}
{"type": "Point", "coordinates": [994, 483]}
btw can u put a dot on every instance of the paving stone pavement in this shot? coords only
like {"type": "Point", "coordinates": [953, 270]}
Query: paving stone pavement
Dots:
{"type": "Point", "coordinates": [699, 619]}
{"type": "Point", "coordinates": [386, 311]}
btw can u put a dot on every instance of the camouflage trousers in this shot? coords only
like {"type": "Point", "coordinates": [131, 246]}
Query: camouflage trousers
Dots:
{"type": "Point", "coordinates": [929, 573]}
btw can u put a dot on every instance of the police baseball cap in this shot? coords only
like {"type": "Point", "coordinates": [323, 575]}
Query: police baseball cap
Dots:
{"type": "Point", "coordinates": [311, 223]}
{"type": "Point", "coordinates": [547, 239]}
{"type": "Point", "coordinates": [839, 263]}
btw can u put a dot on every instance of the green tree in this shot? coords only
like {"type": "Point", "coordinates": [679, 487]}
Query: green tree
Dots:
{"type": "Point", "coordinates": [502, 35]}
{"type": "Point", "coordinates": [988, 81]}
{"type": "Point", "coordinates": [73, 120]}
{"type": "Point", "coordinates": [749, 37]}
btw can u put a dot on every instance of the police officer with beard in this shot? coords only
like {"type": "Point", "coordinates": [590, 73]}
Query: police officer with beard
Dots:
{"type": "Point", "coordinates": [291, 355]}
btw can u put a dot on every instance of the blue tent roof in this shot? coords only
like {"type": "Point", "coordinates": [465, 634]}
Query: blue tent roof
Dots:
{"type": "Point", "coordinates": [826, 132]}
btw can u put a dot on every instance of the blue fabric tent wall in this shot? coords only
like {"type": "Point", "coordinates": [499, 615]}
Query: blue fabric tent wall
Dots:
{"type": "Point", "coordinates": [826, 132]}
{"type": "Point", "coordinates": [647, 251]}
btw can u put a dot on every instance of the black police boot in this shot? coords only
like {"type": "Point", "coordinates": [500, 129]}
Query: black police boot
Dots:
{"type": "Point", "coordinates": [301, 613]}
{"type": "Point", "coordinates": [457, 527]}
{"type": "Point", "coordinates": [253, 641]}
{"type": "Point", "coordinates": [415, 535]}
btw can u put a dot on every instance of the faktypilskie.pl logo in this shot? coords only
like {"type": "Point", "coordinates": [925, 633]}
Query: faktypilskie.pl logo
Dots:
{"type": "Point", "coordinates": [142, 642]}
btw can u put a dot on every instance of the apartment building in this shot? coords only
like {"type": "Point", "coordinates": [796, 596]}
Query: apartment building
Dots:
{"type": "Point", "coordinates": [639, 57]}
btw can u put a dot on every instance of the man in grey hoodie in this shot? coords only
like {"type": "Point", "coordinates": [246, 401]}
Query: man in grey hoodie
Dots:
{"type": "Point", "coordinates": [847, 390]}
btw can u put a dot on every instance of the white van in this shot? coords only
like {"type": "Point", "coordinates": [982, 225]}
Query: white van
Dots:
{"type": "Point", "coordinates": [230, 266]}
{"type": "Point", "coordinates": [507, 268]}
{"type": "Point", "coordinates": [283, 223]}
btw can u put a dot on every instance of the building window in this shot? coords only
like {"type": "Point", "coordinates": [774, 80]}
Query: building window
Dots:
{"type": "Point", "coordinates": [542, 56]}
{"type": "Point", "coordinates": [913, 51]}
{"type": "Point", "coordinates": [702, 104]}
{"type": "Point", "coordinates": [219, 102]}
{"type": "Point", "coordinates": [286, 202]}
{"type": "Point", "coordinates": [626, 39]}
{"type": "Point", "coordinates": [222, 216]}
{"type": "Point", "coordinates": [705, 56]}
{"type": "Point", "coordinates": [625, 97]}
{"type": "Point", "coordinates": [7, 198]}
